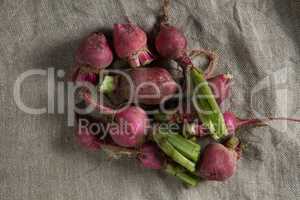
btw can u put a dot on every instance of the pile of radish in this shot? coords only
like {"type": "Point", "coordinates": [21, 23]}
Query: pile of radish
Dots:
{"type": "Point", "coordinates": [135, 123]}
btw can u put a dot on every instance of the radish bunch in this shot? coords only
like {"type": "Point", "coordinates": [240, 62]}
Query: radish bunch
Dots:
{"type": "Point", "coordinates": [163, 140]}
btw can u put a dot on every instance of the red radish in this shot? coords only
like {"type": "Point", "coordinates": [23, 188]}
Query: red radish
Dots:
{"type": "Point", "coordinates": [220, 85]}
{"type": "Point", "coordinates": [151, 157]}
{"type": "Point", "coordinates": [170, 42]}
{"type": "Point", "coordinates": [214, 120]}
{"type": "Point", "coordinates": [88, 140]}
{"type": "Point", "coordinates": [80, 74]}
{"type": "Point", "coordinates": [93, 142]}
{"type": "Point", "coordinates": [151, 85]}
{"type": "Point", "coordinates": [132, 123]}
{"type": "Point", "coordinates": [82, 79]}
{"type": "Point", "coordinates": [218, 163]}
{"type": "Point", "coordinates": [90, 77]}
{"type": "Point", "coordinates": [130, 43]}
{"type": "Point", "coordinates": [94, 52]}
{"type": "Point", "coordinates": [132, 126]}
{"type": "Point", "coordinates": [233, 123]}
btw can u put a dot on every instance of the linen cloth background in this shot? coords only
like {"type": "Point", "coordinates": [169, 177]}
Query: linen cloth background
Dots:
{"type": "Point", "coordinates": [257, 40]}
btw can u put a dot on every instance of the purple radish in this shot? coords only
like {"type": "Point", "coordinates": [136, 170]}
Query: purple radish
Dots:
{"type": "Point", "coordinates": [218, 162]}
{"type": "Point", "coordinates": [130, 43]}
{"type": "Point", "coordinates": [94, 52]}
{"type": "Point", "coordinates": [151, 85]}
{"type": "Point", "coordinates": [151, 157]}
{"type": "Point", "coordinates": [86, 76]}
{"type": "Point", "coordinates": [87, 140]}
{"type": "Point", "coordinates": [220, 85]}
{"type": "Point", "coordinates": [233, 123]}
{"type": "Point", "coordinates": [132, 126]}
{"type": "Point", "coordinates": [171, 43]}
{"type": "Point", "coordinates": [132, 123]}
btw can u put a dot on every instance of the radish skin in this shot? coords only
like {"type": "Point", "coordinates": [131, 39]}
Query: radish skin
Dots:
{"type": "Point", "coordinates": [130, 43]}
{"type": "Point", "coordinates": [218, 163]}
{"type": "Point", "coordinates": [151, 157]}
{"type": "Point", "coordinates": [151, 85]}
{"type": "Point", "coordinates": [94, 52]}
{"type": "Point", "coordinates": [170, 42]}
{"type": "Point", "coordinates": [87, 77]}
{"type": "Point", "coordinates": [132, 126]}
{"type": "Point", "coordinates": [220, 86]}
{"type": "Point", "coordinates": [88, 140]}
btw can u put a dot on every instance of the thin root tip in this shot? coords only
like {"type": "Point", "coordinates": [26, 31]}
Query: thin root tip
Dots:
{"type": "Point", "coordinates": [228, 76]}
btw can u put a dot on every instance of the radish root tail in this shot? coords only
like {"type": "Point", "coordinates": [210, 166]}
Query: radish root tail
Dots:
{"type": "Point", "coordinates": [263, 122]}
{"type": "Point", "coordinates": [212, 58]}
{"type": "Point", "coordinates": [165, 11]}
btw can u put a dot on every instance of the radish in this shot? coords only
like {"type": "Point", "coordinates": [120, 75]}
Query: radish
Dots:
{"type": "Point", "coordinates": [131, 123]}
{"type": "Point", "coordinates": [233, 123]}
{"type": "Point", "coordinates": [80, 74]}
{"type": "Point", "coordinates": [87, 140]}
{"type": "Point", "coordinates": [94, 142]}
{"type": "Point", "coordinates": [92, 55]}
{"type": "Point", "coordinates": [94, 52]}
{"type": "Point", "coordinates": [151, 157]}
{"type": "Point", "coordinates": [130, 43]}
{"type": "Point", "coordinates": [132, 126]}
{"type": "Point", "coordinates": [151, 85]}
{"type": "Point", "coordinates": [171, 43]}
{"type": "Point", "coordinates": [218, 163]}
{"type": "Point", "coordinates": [169, 143]}
{"type": "Point", "coordinates": [220, 86]}
{"type": "Point", "coordinates": [85, 76]}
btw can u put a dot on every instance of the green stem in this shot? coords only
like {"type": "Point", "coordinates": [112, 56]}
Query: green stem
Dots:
{"type": "Point", "coordinates": [232, 143]}
{"type": "Point", "coordinates": [181, 174]}
{"type": "Point", "coordinates": [107, 86]}
{"type": "Point", "coordinates": [188, 148]}
{"type": "Point", "coordinates": [209, 113]}
{"type": "Point", "coordinates": [188, 130]}
{"type": "Point", "coordinates": [170, 151]}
